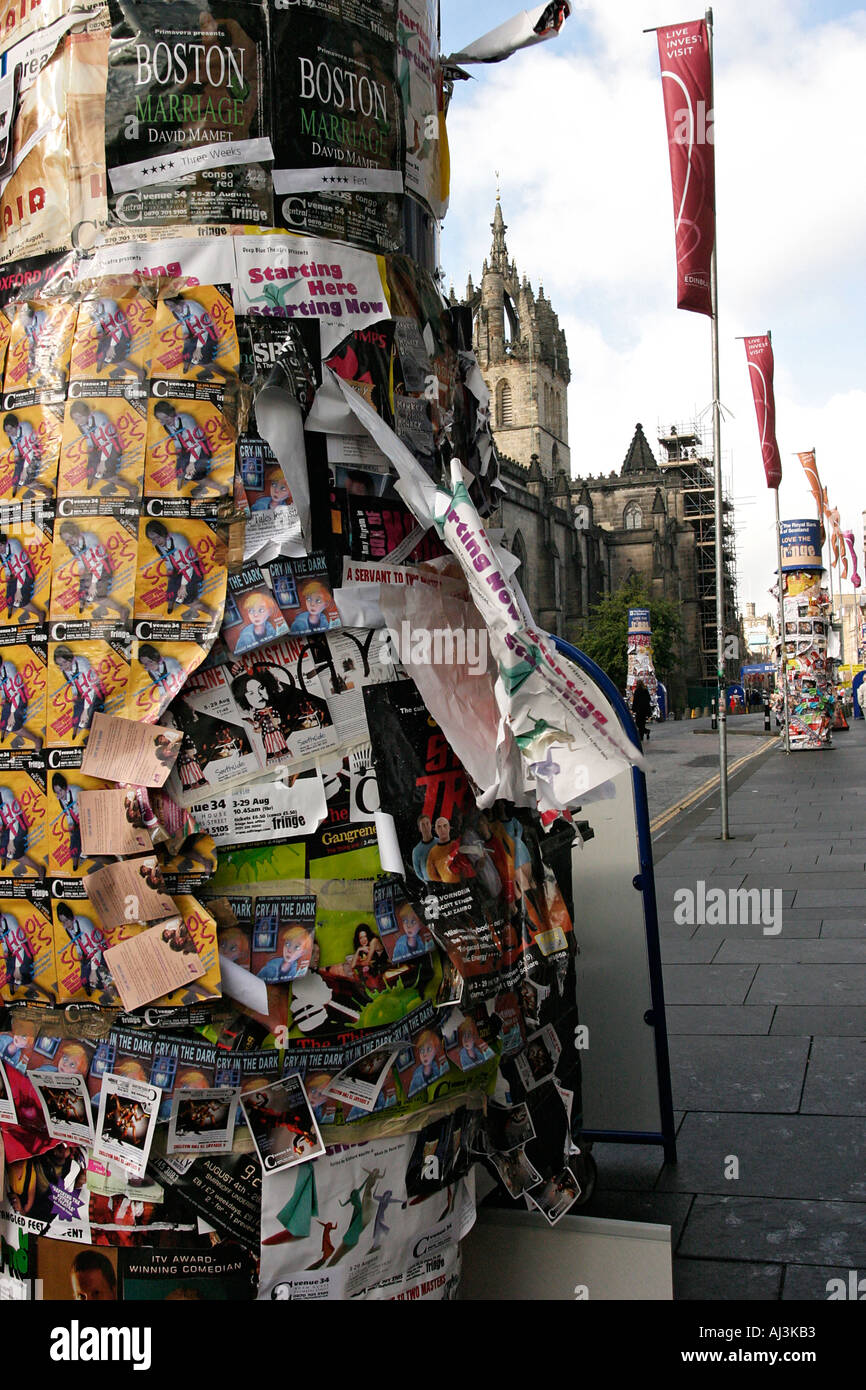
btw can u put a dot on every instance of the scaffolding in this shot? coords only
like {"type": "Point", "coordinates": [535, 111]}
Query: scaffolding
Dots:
{"type": "Point", "coordinates": [685, 451]}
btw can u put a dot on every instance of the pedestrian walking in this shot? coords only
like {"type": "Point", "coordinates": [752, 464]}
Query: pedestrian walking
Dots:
{"type": "Point", "coordinates": [641, 706]}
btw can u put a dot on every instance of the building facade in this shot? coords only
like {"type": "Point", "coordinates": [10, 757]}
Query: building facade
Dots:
{"type": "Point", "coordinates": [579, 537]}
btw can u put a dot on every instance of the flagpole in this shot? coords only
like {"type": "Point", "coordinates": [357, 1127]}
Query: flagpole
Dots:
{"type": "Point", "coordinates": [717, 456]}
{"type": "Point", "coordinates": [829, 532]}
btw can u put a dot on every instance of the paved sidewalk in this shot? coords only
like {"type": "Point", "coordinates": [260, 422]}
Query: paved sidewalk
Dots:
{"type": "Point", "coordinates": [768, 1040]}
{"type": "Point", "coordinates": [683, 755]}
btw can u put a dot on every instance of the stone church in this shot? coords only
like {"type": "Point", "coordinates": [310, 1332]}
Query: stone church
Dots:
{"type": "Point", "coordinates": [581, 537]}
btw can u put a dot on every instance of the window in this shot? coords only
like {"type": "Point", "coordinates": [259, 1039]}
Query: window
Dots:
{"type": "Point", "coordinates": [554, 458]}
{"type": "Point", "coordinates": [504, 410]}
{"type": "Point", "coordinates": [518, 550]}
{"type": "Point", "coordinates": [633, 517]}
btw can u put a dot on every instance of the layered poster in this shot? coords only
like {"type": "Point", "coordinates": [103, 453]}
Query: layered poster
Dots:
{"type": "Point", "coordinates": [187, 119]}
{"type": "Point", "coordinates": [265, 710]}
{"type": "Point", "coordinates": [338, 124]}
{"type": "Point", "coordinates": [476, 878]}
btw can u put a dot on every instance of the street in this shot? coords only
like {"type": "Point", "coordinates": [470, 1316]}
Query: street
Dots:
{"type": "Point", "coordinates": [683, 755]}
{"type": "Point", "coordinates": [766, 1017]}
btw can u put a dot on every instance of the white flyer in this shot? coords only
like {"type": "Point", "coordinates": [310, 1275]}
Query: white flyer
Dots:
{"type": "Point", "coordinates": [127, 1118]}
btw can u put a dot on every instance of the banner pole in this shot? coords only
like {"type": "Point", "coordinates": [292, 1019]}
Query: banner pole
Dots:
{"type": "Point", "coordinates": [782, 656]}
{"type": "Point", "coordinates": [829, 533]}
{"type": "Point", "coordinates": [828, 543]}
{"type": "Point", "coordinates": [717, 457]}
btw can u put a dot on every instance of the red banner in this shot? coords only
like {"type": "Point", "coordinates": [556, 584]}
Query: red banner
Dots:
{"type": "Point", "coordinates": [687, 85]}
{"type": "Point", "coordinates": [759, 355]}
{"type": "Point", "coordinates": [810, 468]}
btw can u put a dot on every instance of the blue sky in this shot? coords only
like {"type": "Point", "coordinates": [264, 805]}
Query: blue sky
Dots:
{"type": "Point", "coordinates": [576, 128]}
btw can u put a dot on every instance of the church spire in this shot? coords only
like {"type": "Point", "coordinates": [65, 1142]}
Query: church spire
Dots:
{"type": "Point", "coordinates": [498, 249]}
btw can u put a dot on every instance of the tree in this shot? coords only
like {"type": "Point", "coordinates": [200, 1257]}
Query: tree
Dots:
{"type": "Point", "coordinates": [604, 635]}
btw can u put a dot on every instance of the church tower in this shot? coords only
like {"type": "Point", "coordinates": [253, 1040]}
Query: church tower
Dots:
{"type": "Point", "coordinates": [523, 357]}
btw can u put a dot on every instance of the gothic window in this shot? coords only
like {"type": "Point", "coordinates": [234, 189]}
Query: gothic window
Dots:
{"type": "Point", "coordinates": [554, 458]}
{"type": "Point", "coordinates": [633, 517]}
{"type": "Point", "coordinates": [518, 550]}
{"type": "Point", "coordinates": [504, 408]}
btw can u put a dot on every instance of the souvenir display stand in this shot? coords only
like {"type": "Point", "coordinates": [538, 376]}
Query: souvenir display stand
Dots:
{"type": "Point", "coordinates": [288, 941]}
{"type": "Point", "coordinates": [640, 658]}
{"type": "Point", "coordinates": [806, 665]}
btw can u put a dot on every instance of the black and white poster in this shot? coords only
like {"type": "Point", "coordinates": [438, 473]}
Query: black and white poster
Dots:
{"type": "Point", "coordinates": [187, 116]}
{"type": "Point", "coordinates": [338, 124]}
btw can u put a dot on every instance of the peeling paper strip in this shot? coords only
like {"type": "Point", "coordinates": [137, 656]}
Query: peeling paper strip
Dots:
{"type": "Point", "coordinates": [242, 986]}
{"type": "Point", "coordinates": [422, 488]}
{"type": "Point", "coordinates": [171, 167]}
{"type": "Point", "coordinates": [339, 179]}
{"type": "Point", "coordinates": [405, 547]}
{"type": "Point", "coordinates": [443, 644]}
{"type": "Point", "coordinates": [54, 126]}
{"type": "Point", "coordinates": [37, 47]}
{"type": "Point", "coordinates": [389, 848]}
{"type": "Point", "coordinates": [281, 423]}
{"type": "Point", "coordinates": [358, 601]}
{"type": "Point", "coordinates": [358, 606]}
{"type": "Point", "coordinates": [568, 733]}
{"type": "Point", "coordinates": [521, 31]}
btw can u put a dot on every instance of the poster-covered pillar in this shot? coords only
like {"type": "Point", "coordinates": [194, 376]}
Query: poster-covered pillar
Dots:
{"type": "Point", "coordinates": [640, 657]}
{"type": "Point", "coordinates": [806, 674]}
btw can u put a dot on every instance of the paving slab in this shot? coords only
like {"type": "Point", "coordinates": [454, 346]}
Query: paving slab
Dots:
{"type": "Point", "coordinates": [819, 1020]}
{"type": "Point", "coordinates": [758, 1074]}
{"type": "Point", "coordinates": [815, 1283]}
{"type": "Point", "coordinates": [843, 926]}
{"type": "Point", "coordinates": [837, 883]}
{"type": "Point", "coordinates": [836, 1078]}
{"type": "Point", "coordinates": [690, 952]}
{"type": "Point", "coordinates": [660, 1208]}
{"type": "Point", "coordinates": [771, 1231]}
{"type": "Point", "coordinates": [831, 896]}
{"type": "Point", "coordinates": [707, 984]}
{"type": "Point", "coordinates": [782, 863]}
{"type": "Point", "coordinates": [845, 863]}
{"type": "Point", "coordinates": [777, 1156]}
{"type": "Point", "coordinates": [726, 1281]}
{"type": "Point", "coordinates": [719, 1019]}
{"type": "Point", "coordinates": [676, 931]}
{"type": "Point", "coordinates": [628, 1167]}
{"type": "Point", "coordinates": [823, 951]}
{"type": "Point", "coordinates": [795, 984]}
{"type": "Point", "coordinates": [821, 843]}
{"type": "Point", "coordinates": [793, 924]}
